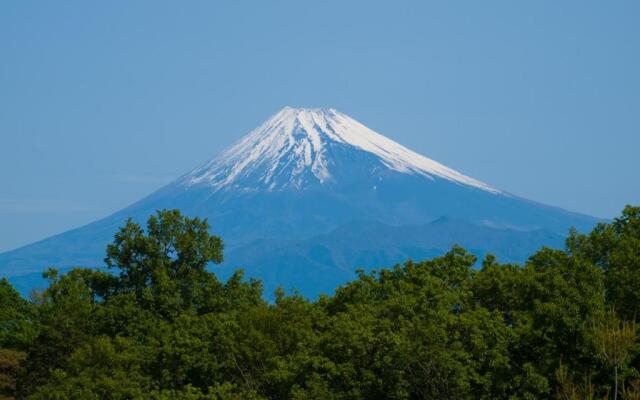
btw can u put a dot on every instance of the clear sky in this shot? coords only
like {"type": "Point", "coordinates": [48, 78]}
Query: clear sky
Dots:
{"type": "Point", "coordinates": [102, 102]}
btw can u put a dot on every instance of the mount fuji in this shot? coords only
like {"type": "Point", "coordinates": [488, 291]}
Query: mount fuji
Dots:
{"type": "Point", "coordinates": [311, 195]}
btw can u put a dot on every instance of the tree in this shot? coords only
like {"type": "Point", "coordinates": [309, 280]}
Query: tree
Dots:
{"type": "Point", "coordinates": [165, 267]}
{"type": "Point", "coordinates": [615, 341]}
{"type": "Point", "coordinates": [545, 304]}
{"type": "Point", "coordinates": [17, 322]}
{"type": "Point", "coordinates": [64, 323]}
{"type": "Point", "coordinates": [615, 248]}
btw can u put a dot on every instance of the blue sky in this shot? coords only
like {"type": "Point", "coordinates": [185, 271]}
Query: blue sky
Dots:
{"type": "Point", "coordinates": [103, 102]}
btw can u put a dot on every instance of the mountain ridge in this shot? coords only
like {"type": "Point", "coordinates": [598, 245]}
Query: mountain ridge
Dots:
{"type": "Point", "coordinates": [371, 244]}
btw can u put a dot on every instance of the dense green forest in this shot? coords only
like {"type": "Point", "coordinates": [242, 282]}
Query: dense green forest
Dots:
{"type": "Point", "coordinates": [157, 325]}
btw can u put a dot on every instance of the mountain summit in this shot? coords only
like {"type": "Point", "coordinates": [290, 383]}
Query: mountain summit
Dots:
{"type": "Point", "coordinates": [312, 194]}
{"type": "Point", "coordinates": [298, 147]}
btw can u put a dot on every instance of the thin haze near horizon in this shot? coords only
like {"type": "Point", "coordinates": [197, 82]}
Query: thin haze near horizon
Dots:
{"type": "Point", "coordinates": [103, 102]}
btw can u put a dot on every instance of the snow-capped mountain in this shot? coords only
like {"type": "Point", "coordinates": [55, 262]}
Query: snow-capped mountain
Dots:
{"type": "Point", "coordinates": [290, 197]}
{"type": "Point", "coordinates": [296, 148]}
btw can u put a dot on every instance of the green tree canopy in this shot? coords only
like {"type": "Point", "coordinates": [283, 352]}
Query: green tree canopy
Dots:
{"type": "Point", "coordinates": [156, 324]}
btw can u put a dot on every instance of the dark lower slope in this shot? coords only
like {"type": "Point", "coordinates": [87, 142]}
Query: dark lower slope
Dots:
{"type": "Point", "coordinates": [317, 265]}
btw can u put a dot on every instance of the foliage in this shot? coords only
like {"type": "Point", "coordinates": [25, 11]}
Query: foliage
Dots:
{"type": "Point", "coordinates": [615, 248]}
{"type": "Point", "coordinates": [157, 325]}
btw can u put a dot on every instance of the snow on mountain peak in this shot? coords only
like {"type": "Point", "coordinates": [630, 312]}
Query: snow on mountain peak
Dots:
{"type": "Point", "coordinates": [291, 147]}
